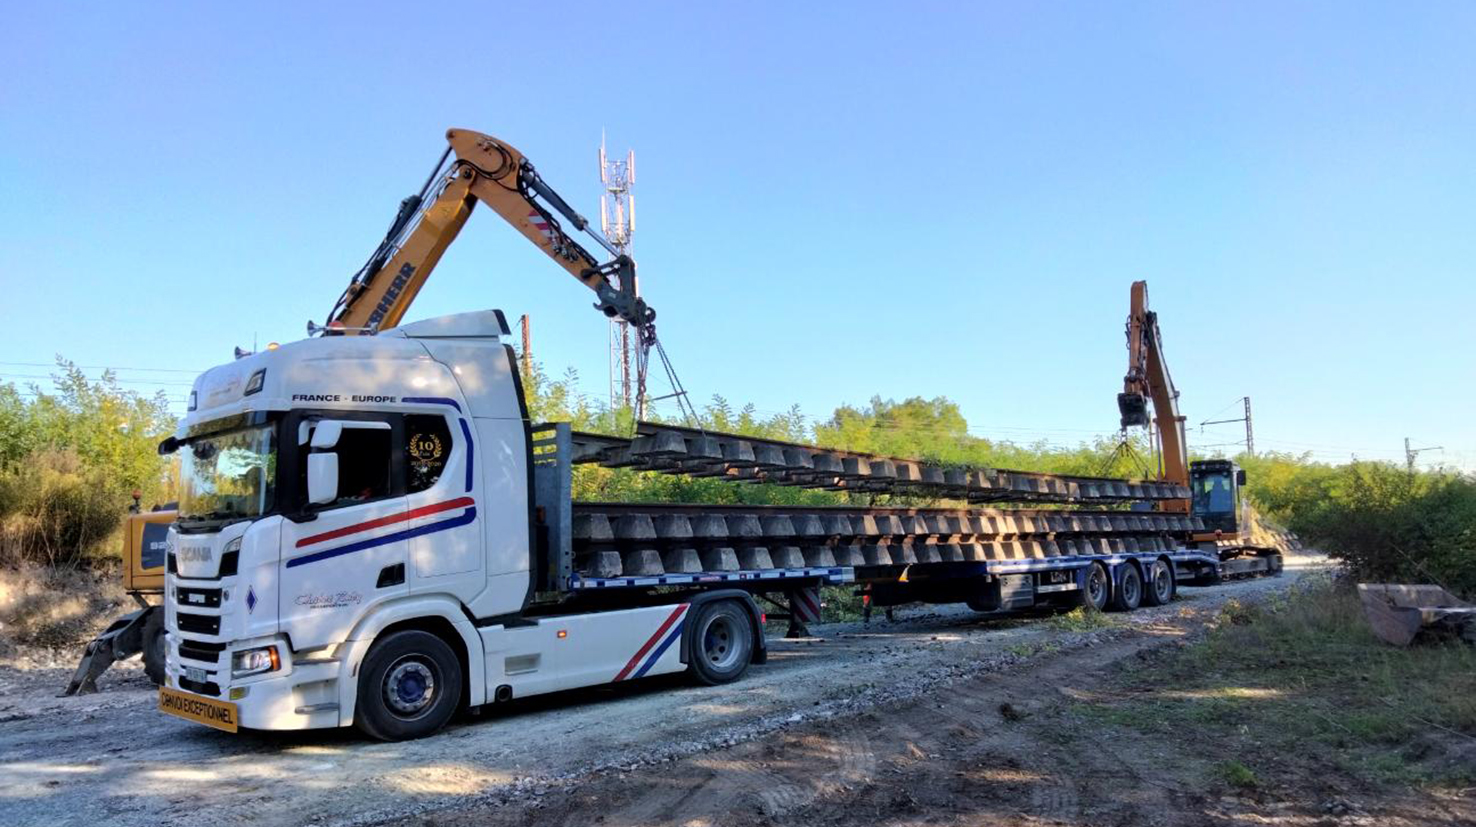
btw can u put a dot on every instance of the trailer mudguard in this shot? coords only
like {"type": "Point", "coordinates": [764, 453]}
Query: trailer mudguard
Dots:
{"type": "Point", "coordinates": [760, 649]}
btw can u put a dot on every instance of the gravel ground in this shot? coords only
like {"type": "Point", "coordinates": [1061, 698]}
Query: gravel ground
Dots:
{"type": "Point", "coordinates": [111, 758]}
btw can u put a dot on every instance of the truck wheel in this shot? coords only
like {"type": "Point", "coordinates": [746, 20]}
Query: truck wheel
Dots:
{"type": "Point", "coordinates": [722, 643]}
{"type": "Point", "coordinates": [1129, 593]}
{"type": "Point", "coordinates": [1097, 589]}
{"type": "Point", "coordinates": [409, 686]}
{"type": "Point", "coordinates": [154, 646]}
{"type": "Point", "coordinates": [1160, 584]}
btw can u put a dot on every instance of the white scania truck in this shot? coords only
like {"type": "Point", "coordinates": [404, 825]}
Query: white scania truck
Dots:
{"type": "Point", "coordinates": [357, 543]}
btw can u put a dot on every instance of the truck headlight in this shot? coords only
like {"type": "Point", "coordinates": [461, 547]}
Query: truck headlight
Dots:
{"type": "Point", "coordinates": [255, 662]}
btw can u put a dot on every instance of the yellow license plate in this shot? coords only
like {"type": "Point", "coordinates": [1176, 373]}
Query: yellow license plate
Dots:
{"type": "Point", "coordinates": [207, 711]}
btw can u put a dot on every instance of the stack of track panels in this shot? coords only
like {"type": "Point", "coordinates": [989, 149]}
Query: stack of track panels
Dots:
{"type": "Point", "coordinates": [612, 540]}
{"type": "Point", "coordinates": [670, 449]}
{"type": "Point", "coordinates": [618, 539]}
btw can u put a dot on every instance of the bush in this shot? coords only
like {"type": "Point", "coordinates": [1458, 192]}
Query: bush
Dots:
{"type": "Point", "coordinates": [55, 511]}
{"type": "Point", "coordinates": [1390, 525]}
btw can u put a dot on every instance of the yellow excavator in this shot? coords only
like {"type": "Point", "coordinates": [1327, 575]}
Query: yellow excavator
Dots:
{"type": "Point", "coordinates": [1215, 485]}
{"type": "Point", "coordinates": [474, 168]}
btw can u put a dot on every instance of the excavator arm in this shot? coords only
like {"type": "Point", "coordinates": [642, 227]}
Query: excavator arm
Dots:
{"type": "Point", "coordinates": [1148, 379]}
{"type": "Point", "coordinates": [489, 171]}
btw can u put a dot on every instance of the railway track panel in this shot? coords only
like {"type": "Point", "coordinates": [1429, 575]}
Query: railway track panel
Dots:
{"type": "Point", "coordinates": [669, 449]}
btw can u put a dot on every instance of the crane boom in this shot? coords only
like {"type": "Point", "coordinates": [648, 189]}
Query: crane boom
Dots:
{"type": "Point", "coordinates": [1148, 379]}
{"type": "Point", "coordinates": [490, 171]}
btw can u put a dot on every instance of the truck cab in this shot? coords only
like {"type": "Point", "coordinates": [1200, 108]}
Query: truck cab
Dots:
{"type": "Point", "coordinates": [356, 541]}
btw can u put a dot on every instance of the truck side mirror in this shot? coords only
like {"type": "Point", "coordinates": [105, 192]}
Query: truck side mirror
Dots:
{"type": "Point", "coordinates": [1240, 477]}
{"type": "Point", "coordinates": [322, 477]}
{"type": "Point", "coordinates": [326, 434]}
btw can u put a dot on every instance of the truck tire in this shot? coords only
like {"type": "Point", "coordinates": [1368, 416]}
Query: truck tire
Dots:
{"type": "Point", "coordinates": [1097, 589]}
{"type": "Point", "coordinates": [1129, 592]}
{"type": "Point", "coordinates": [1160, 587]}
{"type": "Point", "coordinates": [409, 686]}
{"type": "Point", "coordinates": [722, 643]}
{"type": "Point", "coordinates": [154, 646]}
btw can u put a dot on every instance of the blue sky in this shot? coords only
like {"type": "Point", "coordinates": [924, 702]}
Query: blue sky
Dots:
{"type": "Point", "coordinates": [835, 200]}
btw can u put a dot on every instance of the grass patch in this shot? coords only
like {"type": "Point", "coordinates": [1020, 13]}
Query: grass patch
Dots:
{"type": "Point", "coordinates": [1082, 619]}
{"type": "Point", "coordinates": [1300, 681]}
{"type": "Point", "coordinates": [1237, 775]}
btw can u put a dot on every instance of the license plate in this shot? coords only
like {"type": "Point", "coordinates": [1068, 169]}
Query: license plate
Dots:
{"type": "Point", "coordinates": [194, 674]}
{"type": "Point", "coordinates": [207, 711]}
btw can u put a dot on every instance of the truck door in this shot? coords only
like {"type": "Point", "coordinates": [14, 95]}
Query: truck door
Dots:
{"type": "Point", "coordinates": [344, 555]}
{"type": "Point", "coordinates": [440, 468]}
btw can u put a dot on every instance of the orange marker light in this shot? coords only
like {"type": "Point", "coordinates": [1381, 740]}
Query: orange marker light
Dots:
{"type": "Point", "coordinates": [563, 633]}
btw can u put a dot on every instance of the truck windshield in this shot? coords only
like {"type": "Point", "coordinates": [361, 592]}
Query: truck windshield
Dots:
{"type": "Point", "coordinates": [229, 476]}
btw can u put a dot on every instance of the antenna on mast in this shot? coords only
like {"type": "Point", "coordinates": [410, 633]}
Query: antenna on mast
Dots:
{"type": "Point", "coordinates": [617, 222]}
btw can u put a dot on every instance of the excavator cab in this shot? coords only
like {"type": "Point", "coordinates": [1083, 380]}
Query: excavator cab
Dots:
{"type": "Point", "coordinates": [1215, 485]}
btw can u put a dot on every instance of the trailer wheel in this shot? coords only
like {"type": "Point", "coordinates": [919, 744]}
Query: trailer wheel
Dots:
{"type": "Point", "coordinates": [722, 643]}
{"type": "Point", "coordinates": [409, 686]}
{"type": "Point", "coordinates": [1097, 589]}
{"type": "Point", "coordinates": [154, 645]}
{"type": "Point", "coordinates": [1129, 592]}
{"type": "Point", "coordinates": [1160, 584]}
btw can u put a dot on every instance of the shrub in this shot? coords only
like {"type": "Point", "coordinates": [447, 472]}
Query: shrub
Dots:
{"type": "Point", "coordinates": [55, 511]}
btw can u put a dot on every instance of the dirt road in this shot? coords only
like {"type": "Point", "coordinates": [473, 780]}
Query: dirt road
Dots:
{"type": "Point", "coordinates": [110, 758]}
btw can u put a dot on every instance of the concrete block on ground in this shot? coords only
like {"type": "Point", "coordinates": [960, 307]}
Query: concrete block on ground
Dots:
{"type": "Point", "coordinates": [904, 553]}
{"type": "Point", "coordinates": [681, 561]}
{"type": "Point", "coordinates": [933, 475]}
{"type": "Point", "coordinates": [635, 527]}
{"type": "Point", "coordinates": [718, 559]}
{"type": "Point", "coordinates": [849, 556]}
{"type": "Point", "coordinates": [888, 525]}
{"type": "Point", "coordinates": [643, 562]}
{"type": "Point", "coordinates": [819, 556]}
{"type": "Point", "coordinates": [786, 557]}
{"type": "Point", "coordinates": [875, 555]}
{"type": "Point", "coordinates": [600, 564]}
{"type": "Point", "coordinates": [754, 557]}
{"type": "Point", "coordinates": [969, 553]}
{"type": "Point", "coordinates": [929, 552]}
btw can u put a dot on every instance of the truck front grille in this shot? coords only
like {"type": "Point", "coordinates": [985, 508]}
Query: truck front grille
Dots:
{"type": "Point", "coordinates": [199, 624]}
{"type": "Point", "coordinates": [187, 597]}
{"type": "Point", "coordinates": [201, 650]}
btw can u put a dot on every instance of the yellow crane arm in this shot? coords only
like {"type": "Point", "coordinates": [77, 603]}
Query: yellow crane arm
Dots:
{"type": "Point", "coordinates": [488, 170]}
{"type": "Point", "coordinates": [1148, 378]}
